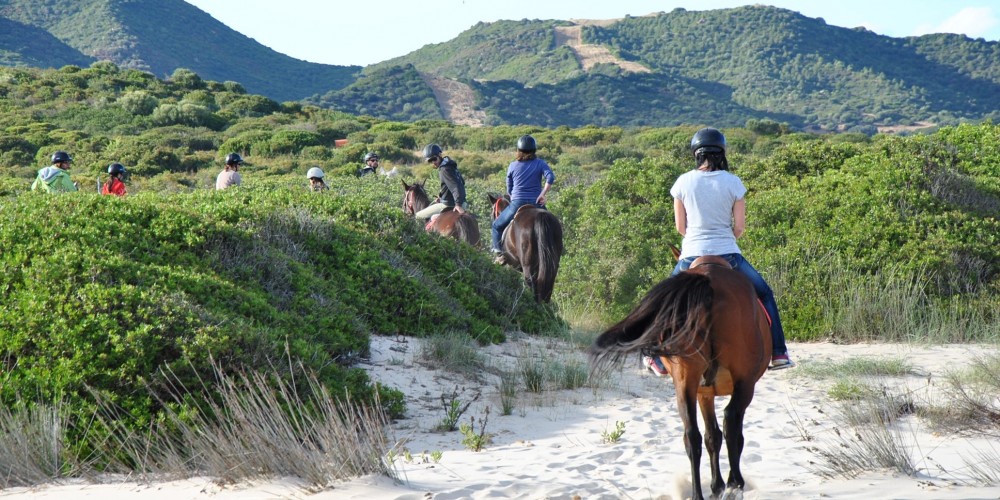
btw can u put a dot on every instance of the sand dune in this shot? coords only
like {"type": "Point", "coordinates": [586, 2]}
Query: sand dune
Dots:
{"type": "Point", "coordinates": [551, 446]}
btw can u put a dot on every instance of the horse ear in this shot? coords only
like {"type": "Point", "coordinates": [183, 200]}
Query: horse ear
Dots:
{"type": "Point", "coordinates": [422, 183]}
{"type": "Point", "coordinates": [676, 251]}
{"type": "Point", "coordinates": [405, 185]}
{"type": "Point", "coordinates": [492, 198]}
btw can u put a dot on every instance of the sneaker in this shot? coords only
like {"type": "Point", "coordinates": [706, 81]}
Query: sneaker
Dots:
{"type": "Point", "coordinates": [654, 365]}
{"type": "Point", "coordinates": [780, 361]}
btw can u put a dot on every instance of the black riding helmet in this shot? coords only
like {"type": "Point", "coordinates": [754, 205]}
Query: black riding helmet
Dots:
{"type": "Point", "coordinates": [526, 143]}
{"type": "Point", "coordinates": [431, 150]}
{"type": "Point", "coordinates": [232, 158]}
{"type": "Point", "coordinates": [117, 168]}
{"type": "Point", "coordinates": [708, 140]}
{"type": "Point", "coordinates": [61, 157]}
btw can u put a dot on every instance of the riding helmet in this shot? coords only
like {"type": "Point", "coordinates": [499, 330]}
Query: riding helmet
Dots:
{"type": "Point", "coordinates": [61, 156]}
{"type": "Point", "coordinates": [526, 143]}
{"type": "Point", "coordinates": [370, 155]}
{"type": "Point", "coordinates": [232, 158]}
{"type": "Point", "coordinates": [116, 168]}
{"type": "Point", "coordinates": [431, 150]}
{"type": "Point", "coordinates": [709, 140]}
{"type": "Point", "coordinates": [314, 172]}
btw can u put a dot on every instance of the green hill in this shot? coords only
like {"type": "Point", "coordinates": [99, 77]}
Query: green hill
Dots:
{"type": "Point", "coordinates": [719, 66]}
{"type": "Point", "coordinates": [23, 45]}
{"type": "Point", "coordinates": [722, 66]}
{"type": "Point", "coordinates": [162, 35]}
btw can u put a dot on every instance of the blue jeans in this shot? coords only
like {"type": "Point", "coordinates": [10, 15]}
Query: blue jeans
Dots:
{"type": "Point", "coordinates": [760, 286]}
{"type": "Point", "coordinates": [504, 219]}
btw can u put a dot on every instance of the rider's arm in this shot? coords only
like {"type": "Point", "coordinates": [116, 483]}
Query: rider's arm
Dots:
{"type": "Point", "coordinates": [680, 216]}
{"type": "Point", "coordinates": [739, 217]}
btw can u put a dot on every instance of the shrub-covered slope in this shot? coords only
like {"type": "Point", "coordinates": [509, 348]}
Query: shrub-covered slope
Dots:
{"type": "Point", "coordinates": [101, 294]}
{"type": "Point", "coordinates": [828, 224]}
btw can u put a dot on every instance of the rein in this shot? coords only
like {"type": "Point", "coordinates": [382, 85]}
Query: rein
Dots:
{"type": "Point", "coordinates": [496, 207]}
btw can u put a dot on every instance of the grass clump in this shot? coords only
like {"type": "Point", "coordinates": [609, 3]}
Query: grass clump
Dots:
{"type": "Point", "coordinates": [252, 425]}
{"type": "Point", "coordinates": [453, 351]}
{"type": "Point", "coordinates": [869, 436]}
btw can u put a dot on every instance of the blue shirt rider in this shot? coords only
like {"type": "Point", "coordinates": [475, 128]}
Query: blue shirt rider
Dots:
{"type": "Point", "coordinates": [524, 184]}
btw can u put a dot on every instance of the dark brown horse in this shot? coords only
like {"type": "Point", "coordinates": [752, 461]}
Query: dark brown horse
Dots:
{"type": "Point", "coordinates": [462, 227]}
{"type": "Point", "coordinates": [532, 244]}
{"type": "Point", "coordinates": [711, 333]}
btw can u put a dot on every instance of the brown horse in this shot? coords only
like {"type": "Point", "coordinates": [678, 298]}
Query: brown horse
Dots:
{"type": "Point", "coordinates": [532, 244]}
{"type": "Point", "coordinates": [711, 333]}
{"type": "Point", "coordinates": [462, 227]}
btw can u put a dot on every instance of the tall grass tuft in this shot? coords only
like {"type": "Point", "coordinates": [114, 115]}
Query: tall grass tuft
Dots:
{"type": "Point", "coordinates": [507, 388]}
{"type": "Point", "coordinates": [258, 426]}
{"type": "Point", "coordinates": [31, 445]}
{"type": "Point", "coordinates": [869, 436]}
{"type": "Point", "coordinates": [972, 405]}
{"type": "Point", "coordinates": [455, 352]}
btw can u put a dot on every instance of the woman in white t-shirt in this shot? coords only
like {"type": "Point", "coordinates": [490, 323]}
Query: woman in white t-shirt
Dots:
{"type": "Point", "coordinates": [710, 213]}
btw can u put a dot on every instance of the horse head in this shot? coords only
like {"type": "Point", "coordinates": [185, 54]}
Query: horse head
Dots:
{"type": "Point", "coordinates": [497, 203]}
{"type": "Point", "coordinates": [414, 198]}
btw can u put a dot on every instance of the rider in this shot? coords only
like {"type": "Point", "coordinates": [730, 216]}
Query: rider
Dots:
{"type": "Point", "coordinates": [524, 184]}
{"type": "Point", "coordinates": [315, 176]}
{"type": "Point", "coordinates": [710, 213]}
{"type": "Point", "coordinates": [54, 178]}
{"type": "Point", "coordinates": [452, 194]}
{"type": "Point", "coordinates": [371, 162]}
{"type": "Point", "coordinates": [116, 184]}
{"type": "Point", "coordinates": [230, 176]}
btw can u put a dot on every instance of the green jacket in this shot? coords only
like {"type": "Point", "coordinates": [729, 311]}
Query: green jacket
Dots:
{"type": "Point", "coordinates": [53, 180]}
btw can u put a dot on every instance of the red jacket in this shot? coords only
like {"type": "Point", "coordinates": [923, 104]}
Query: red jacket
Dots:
{"type": "Point", "coordinates": [115, 187]}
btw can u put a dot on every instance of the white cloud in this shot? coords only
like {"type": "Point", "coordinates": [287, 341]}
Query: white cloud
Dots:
{"type": "Point", "coordinates": [970, 21]}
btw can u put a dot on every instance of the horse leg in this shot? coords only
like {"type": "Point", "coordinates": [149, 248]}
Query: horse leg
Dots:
{"type": "Point", "coordinates": [713, 440]}
{"type": "Point", "coordinates": [733, 424]}
{"type": "Point", "coordinates": [687, 393]}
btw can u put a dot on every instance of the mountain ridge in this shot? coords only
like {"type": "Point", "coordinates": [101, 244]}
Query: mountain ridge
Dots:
{"type": "Point", "coordinates": [723, 66]}
{"type": "Point", "coordinates": [150, 35]}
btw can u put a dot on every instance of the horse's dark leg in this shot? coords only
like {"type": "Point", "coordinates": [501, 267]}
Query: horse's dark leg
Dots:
{"type": "Point", "coordinates": [734, 413]}
{"type": "Point", "coordinates": [688, 409]}
{"type": "Point", "coordinates": [713, 440]}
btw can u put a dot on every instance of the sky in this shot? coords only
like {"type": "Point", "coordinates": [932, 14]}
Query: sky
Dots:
{"type": "Point", "coordinates": [363, 32]}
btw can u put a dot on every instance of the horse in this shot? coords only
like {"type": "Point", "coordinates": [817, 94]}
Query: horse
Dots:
{"type": "Point", "coordinates": [712, 335]}
{"type": "Point", "coordinates": [532, 244]}
{"type": "Point", "coordinates": [462, 227]}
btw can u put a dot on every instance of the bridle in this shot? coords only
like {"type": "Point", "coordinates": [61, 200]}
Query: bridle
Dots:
{"type": "Point", "coordinates": [496, 207]}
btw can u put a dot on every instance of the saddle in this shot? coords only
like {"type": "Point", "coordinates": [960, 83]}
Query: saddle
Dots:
{"type": "Point", "coordinates": [710, 260]}
{"type": "Point", "coordinates": [715, 260]}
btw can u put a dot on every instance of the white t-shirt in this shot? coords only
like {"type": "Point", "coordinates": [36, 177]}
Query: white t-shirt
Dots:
{"type": "Point", "coordinates": [228, 178]}
{"type": "Point", "coordinates": [708, 199]}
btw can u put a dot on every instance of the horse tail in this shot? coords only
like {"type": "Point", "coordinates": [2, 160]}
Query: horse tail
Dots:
{"type": "Point", "coordinates": [549, 248]}
{"type": "Point", "coordinates": [467, 229]}
{"type": "Point", "coordinates": [672, 316]}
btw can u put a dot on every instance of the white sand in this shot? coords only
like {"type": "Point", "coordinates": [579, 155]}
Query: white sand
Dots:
{"type": "Point", "coordinates": [552, 447]}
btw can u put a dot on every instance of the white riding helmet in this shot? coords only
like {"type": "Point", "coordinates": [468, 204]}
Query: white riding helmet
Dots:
{"type": "Point", "coordinates": [314, 172]}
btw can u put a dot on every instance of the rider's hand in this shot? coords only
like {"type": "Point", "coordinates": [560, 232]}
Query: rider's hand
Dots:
{"type": "Point", "coordinates": [541, 199]}
{"type": "Point", "coordinates": [459, 209]}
